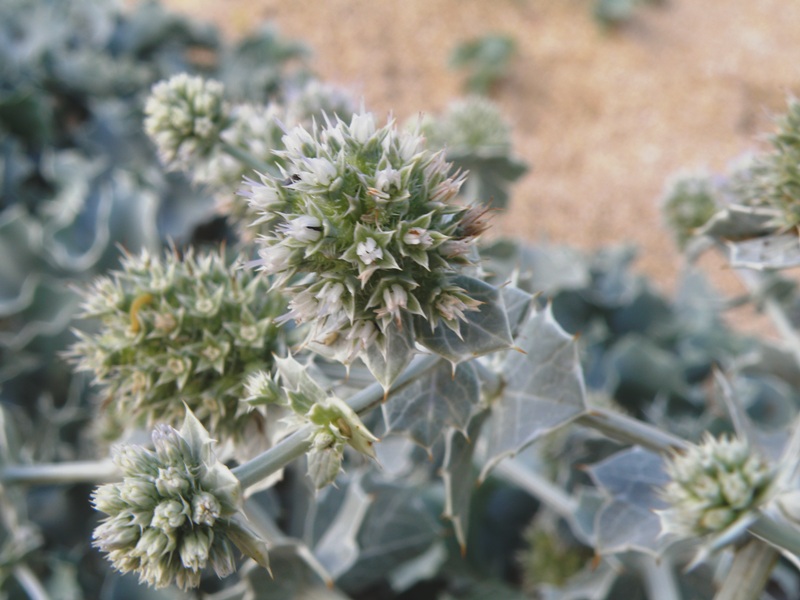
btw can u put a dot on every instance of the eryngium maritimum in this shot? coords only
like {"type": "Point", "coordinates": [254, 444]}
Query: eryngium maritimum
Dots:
{"type": "Point", "coordinates": [179, 330]}
{"type": "Point", "coordinates": [175, 512]}
{"type": "Point", "coordinates": [713, 484]}
{"type": "Point", "coordinates": [367, 215]}
{"type": "Point", "coordinates": [185, 115]}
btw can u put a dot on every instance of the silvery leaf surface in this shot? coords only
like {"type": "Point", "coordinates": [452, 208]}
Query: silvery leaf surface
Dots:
{"type": "Point", "coordinates": [543, 389]}
{"type": "Point", "coordinates": [482, 331]}
{"type": "Point", "coordinates": [441, 398]}
{"type": "Point", "coordinates": [769, 252]}
{"type": "Point", "coordinates": [630, 479]}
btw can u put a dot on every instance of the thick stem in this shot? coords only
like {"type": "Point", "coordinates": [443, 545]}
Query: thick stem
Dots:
{"type": "Point", "coordinates": [299, 442]}
{"type": "Point", "coordinates": [749, 572]}
{"type": "Point", "coordinates": [630, 431]}
{"type": "Point", "coordinates": [74, 472]}
{"type": "Point", "coordinates": [541, 488]}
{"type": "Point", "coordinates": [659, 578]}
{"type": "Point", "coordinates": [782, 535]}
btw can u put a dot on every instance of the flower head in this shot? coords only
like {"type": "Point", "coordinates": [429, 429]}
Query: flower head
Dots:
{"type": "Point", "coordinates": [185, 115]}
{"type": "Point", "coordinates": [368, 215]}
{"type": "Point", "coordinates": [179, 330]}
{"type": "Point", "coordinates": [176, 511]}
{"type": "Point", "coordinates": [713, 484]}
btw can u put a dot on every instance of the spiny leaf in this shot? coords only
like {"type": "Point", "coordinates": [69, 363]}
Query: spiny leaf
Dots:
{"type": "Point", "coordinates": [459, 475]}
{"type": "Point", "coordinates": [627, 521]}
{"type": "Point", "coordinates": [440, 398]}
{"type": "Point", "coordinates": [543, 388]}
{"type": "Point", "coordinates": [387, 363]}
{"type": "Point", "coordinates": [484, 330]}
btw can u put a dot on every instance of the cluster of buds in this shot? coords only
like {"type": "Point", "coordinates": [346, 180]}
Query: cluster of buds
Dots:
{"type": "Point", "coordinates": [175, 512]}
{"type": "Point", "coordinates": [688, 204]}
{"type": "Point", "coordinates": [335, 424]}
{"type": "Point", "coordinates": [367, 215]}
{"type": "Point", "coordinates": [182, 330]}
{"type": "Point", "coordinates": [712, 485]}
{"type": "Point", "coordinates": [472, 125]}
{"type": "Point", "coordinates": [184, 117]}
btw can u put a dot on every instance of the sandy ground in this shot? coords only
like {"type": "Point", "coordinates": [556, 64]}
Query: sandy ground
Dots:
{"type": "Point", "coordinates": [604, 118]}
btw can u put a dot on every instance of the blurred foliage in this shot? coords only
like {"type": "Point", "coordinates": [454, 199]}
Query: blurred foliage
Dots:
{"type": "Point", "coordinates": [486, 61]}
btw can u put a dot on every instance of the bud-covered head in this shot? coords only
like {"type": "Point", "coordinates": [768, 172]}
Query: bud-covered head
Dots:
{"type": "Point", "coordinates": [175, 512]}
{"type": "Point", "coordinates": [185, 115]}
{"type": "Point", "coordinates": [688, 204]}
{"type": "Point", "coordinates": [368, 215]}
{"type": "Point", "coordinates": [712, 485]}
{"type": "Point", "coordinates": [179, 330]}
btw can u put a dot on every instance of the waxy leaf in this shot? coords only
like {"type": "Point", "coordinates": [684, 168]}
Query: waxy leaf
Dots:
{"type": "Point", "coordinates": [770, 252]}
{"type": "Point", "coordinates": [631, 480]}
{"type": "Point", "coordinates": [428, 405]}
{"type": "Point", "coordinates": [737, 222]}
{"type": "Point", "coordinates": [387, 363]}
{"type": "Point", "coordinates": [484, 330]}
{"type": "Point", "coordinates": [460, 476]}
{"type": "Point", "coordinates": [543, 388]}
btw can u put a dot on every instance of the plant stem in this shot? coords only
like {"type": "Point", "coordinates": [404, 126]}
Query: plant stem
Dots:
{"type": "Point", "coordinates": [28, 582]}
{"type": "Point", "coordinates": [70, 472]}
{"type": "Point", "coordinates": [541, 488]}
{"type": "Point", "coordinates": [782, 535]}
{"type": "Point", "coordinates": [299, 442]}
{"type": "Point", "coordinates": [628, 430]}
{"type": "Point", "coordinates": [749, 572]}
{"type": "Point", "coordinates": [245, 157]}
{"type": "Point", "coordinates": [659, 578]}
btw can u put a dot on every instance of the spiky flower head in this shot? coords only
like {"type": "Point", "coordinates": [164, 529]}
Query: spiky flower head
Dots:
{"type": "Point", "coordinates": [366, 214]}
{"type": "Point", "coordinates": [184, 117]}
{"type": "Point", "coordinates": [713, 484]}
{"type": "Point", "coordinates": [175, 512]}
{"type": "Point", "coordinates": [179, 330]}
{"type": "Point", "coordinates": [688, 204]}
{"type": "Point", "coordinates": [258, 130]}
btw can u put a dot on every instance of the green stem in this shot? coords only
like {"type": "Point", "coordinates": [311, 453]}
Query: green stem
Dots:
{"type": "Point", "coordinates": [780, 534]}
{"type": "Point", "coordinates": [540, 487]}
{"type": "Point", "coordinates": [628, 430]}
{"type": "Point", "coordinates": [750, 571]}
{"type": "Point", "coordinates": [70, 472]}
{"type": "Point", "coordinates": [299, 442]}
{"type": "Point", "coordinates": [246, 158]}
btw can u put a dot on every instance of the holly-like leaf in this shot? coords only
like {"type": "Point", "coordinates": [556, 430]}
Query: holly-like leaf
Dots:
{"type": "Point", "coordinates": [304, 392]}
{"type": "Point", "coordinates": [769, 252]}
{"type": "Point", "coordinates": [543, 388]}
{"type": "Point", "coordinates": [460, 476]}
{"type": "Point", "coordinates": [739, 222]}
{"type": "Point", "coordinates": [482, 331]}
{"type": "Point", "coordinates": [429, 404]}
{"type": "Point", "coordinates": [631, 480]}
{"type": "Point", "coordinates": [388, 362]}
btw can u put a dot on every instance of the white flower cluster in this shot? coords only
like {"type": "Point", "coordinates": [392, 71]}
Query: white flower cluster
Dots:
{"type": "Point", "coordinates": [712, 485]}
{"type": "Point", "coordinates": [184, 117]}
{"type": "Point", "coordinates": [175, 511]}
{"type": "Point", "coordinates": [368, 214]}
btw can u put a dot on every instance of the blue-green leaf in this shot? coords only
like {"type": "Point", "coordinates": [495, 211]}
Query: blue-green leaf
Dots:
{"type": "Point", "coordinates": [543, 388]}
{"type": "Point", "coordinates": [428, 405]}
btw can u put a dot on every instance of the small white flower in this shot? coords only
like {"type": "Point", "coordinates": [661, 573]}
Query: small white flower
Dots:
{"type": "Point", "coordinates": [395, 299]}
{"type": "Point", "coordinates": [451, 307]}
{"type": "Point", "coordinates": [456, 248]}
{"type": "Point", "coordinates": [387, 178]}
{"type": "Point", "coordinates": [274, 259]}
{"type": "Point", "coordinates": [330, 298]}
{"type": "Point", "coordinates": [417, 236]}
{"type": "Point", "coordinates": [302, 308]}
{"type": "Point", "coordinates": [362, 127]}
{"type": "Point", "coordinates": [321, 172]}
{"type": "Point", "coordinates": [303, 229]}
{"type": "Point", "coordinates": [369, 251]}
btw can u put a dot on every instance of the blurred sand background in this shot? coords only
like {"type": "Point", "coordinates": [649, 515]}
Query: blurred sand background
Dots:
{"type": "Point", "coordinates": [605, 118]}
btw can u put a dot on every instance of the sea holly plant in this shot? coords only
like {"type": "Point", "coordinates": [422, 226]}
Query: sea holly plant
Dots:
{"type": "Point", "coordinates": [359, 365]}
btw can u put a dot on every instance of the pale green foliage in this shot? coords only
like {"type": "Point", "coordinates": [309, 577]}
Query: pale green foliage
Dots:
{"type": "Point", "coordinates": [179, 330]}
{"type": "Point", "coordinates": [688, 204]}
{"type": "Point", "coordinates": [175, 512]}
